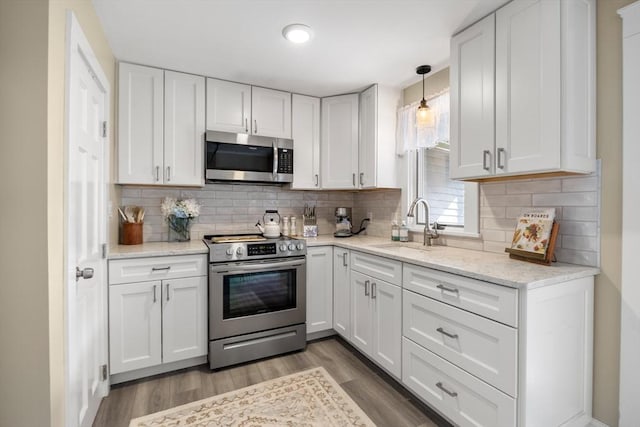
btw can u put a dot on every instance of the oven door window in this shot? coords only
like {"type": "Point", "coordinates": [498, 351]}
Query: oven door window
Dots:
{"type": "Point", "coordinates": [237, 157]}
{"type": "Point", "coordinates": [256, 293]}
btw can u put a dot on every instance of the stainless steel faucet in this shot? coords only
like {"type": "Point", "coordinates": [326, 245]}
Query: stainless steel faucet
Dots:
{"type": "Point", "coordinates": [429, 233]}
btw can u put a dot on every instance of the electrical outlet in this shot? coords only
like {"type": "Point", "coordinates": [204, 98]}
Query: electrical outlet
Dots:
{"type": "Point", "coordinates": [370, 216]}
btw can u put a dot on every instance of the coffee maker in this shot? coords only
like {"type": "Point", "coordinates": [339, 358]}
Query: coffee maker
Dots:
{"type": "Point", "coordinates": [343, 222]}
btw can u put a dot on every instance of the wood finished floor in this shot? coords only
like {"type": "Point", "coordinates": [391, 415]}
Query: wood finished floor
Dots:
{"type": "Point", "coordinates": [381, 398]}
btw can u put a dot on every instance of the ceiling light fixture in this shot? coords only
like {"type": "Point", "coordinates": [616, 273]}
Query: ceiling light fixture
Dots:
{"type": "Point", "coordinates": [297, 33]}
{"type": "Point", "coordinates": [424, 115]}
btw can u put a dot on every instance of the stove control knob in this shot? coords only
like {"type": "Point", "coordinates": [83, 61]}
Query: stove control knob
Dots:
{"type": "Point", "coordinates": [240, 251]}
{"type": "Point", "coordinates": [292, 247]}
{"type": "Point", "coordinates": [283, 247]}
{"type": "Point", "coordinates": [230, 251]}
{"type": "Point", "coordinates": [300, 246]}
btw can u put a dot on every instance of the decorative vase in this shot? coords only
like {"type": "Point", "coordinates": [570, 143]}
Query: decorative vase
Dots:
{"type": "Point", "coordinates": [179, 229]}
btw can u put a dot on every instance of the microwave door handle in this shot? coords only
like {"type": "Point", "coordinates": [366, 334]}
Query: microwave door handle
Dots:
{"type": "Point", "coordinates": [275, 161]}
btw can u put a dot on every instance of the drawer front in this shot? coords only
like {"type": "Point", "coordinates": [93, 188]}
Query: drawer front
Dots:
{"type": "Point", "coordinates": [480, 346]}
{"type": "Point", "coordinates": [156, 268]}
{"type": "Point", "coordinates": [486, 299]}
{"type": "Point", "coordinates": [464, 399]}
{"type": "Point", "coordinates": [377, 267]}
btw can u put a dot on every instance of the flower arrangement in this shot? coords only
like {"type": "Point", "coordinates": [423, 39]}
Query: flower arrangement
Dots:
{"type": "Point", "coordinates": [178, 214]}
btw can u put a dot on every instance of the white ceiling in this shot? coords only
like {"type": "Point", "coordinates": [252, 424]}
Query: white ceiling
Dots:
{"type": "Point", "coordinates": [355, 43]}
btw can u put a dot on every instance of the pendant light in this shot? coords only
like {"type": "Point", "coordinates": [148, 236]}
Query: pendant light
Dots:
{"type": "Point", "coordinates": [424, 115]}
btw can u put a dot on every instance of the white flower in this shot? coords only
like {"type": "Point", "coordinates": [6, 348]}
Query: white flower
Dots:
{"type": "Point", "coordinates": [188, 208]}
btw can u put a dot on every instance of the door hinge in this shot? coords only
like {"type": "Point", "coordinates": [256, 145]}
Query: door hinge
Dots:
{"type": "Point", "coordinates": [104, 129]}
{"type": "Point", "coordinates": [104, 251]}
{"type": "Point", "coordinates": [103, 372]}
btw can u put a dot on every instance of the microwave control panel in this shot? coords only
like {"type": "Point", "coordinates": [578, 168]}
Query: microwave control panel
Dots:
{"type": "Point", "coordinates": [285, 160]}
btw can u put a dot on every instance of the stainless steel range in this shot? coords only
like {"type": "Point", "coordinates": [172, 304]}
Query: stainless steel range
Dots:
{"type": "Point", "coordinates": [257, 297]}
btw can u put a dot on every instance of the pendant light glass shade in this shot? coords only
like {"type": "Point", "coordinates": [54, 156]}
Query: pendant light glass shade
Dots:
{"type": "Point", "coordinates": [424, 116]}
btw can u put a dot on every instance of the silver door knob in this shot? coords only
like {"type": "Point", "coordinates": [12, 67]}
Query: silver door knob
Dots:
{"type": "Point", "coordinates": [85, 273]}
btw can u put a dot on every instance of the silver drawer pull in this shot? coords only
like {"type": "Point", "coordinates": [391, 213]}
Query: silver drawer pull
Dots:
{"type": "Point", "coordinates": [443, 332]}
{"type": "Point", "coordinates": [366, 288]}
{"type": "Point", "coordinates": [373, 290]}
{"type": "Point", "coordinates": [450, 393]}
{"type": "Point", "coordinates": [445, 288]}
{"type": "Point", "coordinates": [167, 291]}
{"type": "Point", "coordinates": [154, 293]}
{"type": "Point", "coordinates": [344, 259]}
{"type": "Point", "coordinates": [160, 268]}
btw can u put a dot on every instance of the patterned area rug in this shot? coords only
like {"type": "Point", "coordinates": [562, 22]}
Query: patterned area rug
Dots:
{"type": "Point", "coordinates": [308, 398]}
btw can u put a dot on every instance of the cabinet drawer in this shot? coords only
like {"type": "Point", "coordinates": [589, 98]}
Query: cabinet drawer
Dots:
{"type": "Point", "coordinates": [464, 399]}
{"type": "Point", "coordinates": [378, 267]}
{"type": "Point", "coordinates": [486, 299]}
{"type": "Point", "coordinates": [482, 347]}
{"type": "Point", "coordinates": [156, 268]}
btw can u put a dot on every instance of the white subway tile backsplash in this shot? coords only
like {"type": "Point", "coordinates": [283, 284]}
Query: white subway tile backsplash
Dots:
{"type": "Point", "coordinates": [581, 213]}
{"type": "Point", "coordinates": [566, 199]}
{"type": "Point", "coordinates": [493, 188]}
{"type": "Point", "coordinates": [492, 212]}
{"type": "Point", "coordinates": [507, 200]}
{"type": "Point", "coordinates": [494, 235]}
{"type": "Point", "coordinates": [579, 228]}
{"type": "Point", "coordinates": [534, 186]}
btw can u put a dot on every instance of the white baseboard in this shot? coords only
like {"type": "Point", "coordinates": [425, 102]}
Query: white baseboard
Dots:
{"type": "Point", "coordinates": [596, 423]}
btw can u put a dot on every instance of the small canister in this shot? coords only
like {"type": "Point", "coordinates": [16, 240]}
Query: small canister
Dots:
{"type": "Point", "coordinates": [285, 226]}
{"type": "Point", "coordinates": [294, 226]}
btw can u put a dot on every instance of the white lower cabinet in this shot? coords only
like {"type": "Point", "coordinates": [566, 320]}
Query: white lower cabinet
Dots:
{"type": "Point", "coordinates": [341, 295]}
{"type": "Point", "coordinates": [157, 322]}
{"type": "Point", "coordinates": [319, 289]}
{"type": "Point", "coordinates": [461, 397]}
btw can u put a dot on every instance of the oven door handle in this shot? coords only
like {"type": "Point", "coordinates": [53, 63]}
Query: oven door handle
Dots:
{"type": "Point", "coordinates": [259, 267]}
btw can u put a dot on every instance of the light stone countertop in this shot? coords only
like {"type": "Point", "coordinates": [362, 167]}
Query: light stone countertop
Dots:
{"type": "Point", "coordinates": [486, 266]}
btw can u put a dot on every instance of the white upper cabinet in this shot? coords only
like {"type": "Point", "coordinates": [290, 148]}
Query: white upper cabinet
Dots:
{"type": "Point", "coordinates": [544, 91]}
{"type": "Point", "coordinates": [140, 124]}
{"type": "Point", "coordinates": [376, 153]}
{"type": "Point", "coordinates": [271, 112]}
{"type": "Point", "coordinates": [228, 106]}
{"type": "Point", "coordinates": [472, 74]}
{"type": "Point", "coordinates": [305, 132]}
{"type": "Point", "coordinates": [339, 147]}
{"type": "Point", "coordinates": [183, 129]}
{"type": "Point", "coordinates": [160, 127]}
{"type": "Point", "coordinates": [240, 108]}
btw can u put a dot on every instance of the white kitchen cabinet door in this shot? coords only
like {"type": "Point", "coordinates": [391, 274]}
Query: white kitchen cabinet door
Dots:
{"type": "Point", "coordinates": [135, 326]}
{"type": "Point", "coordinates": [305, 131]}
{"type": "Point", "coordinates": [228, 106]}
{"type": "Point", "coordinates": [270, 112]}
{"type": "Point", "coordinates": [528, 87]}
{"type": "Point", "coordinates": [140, 124]}
{"type": "Point", "coordinates": [341, 294]}
{"type": "Point", "coordinates": [339, 147]}
{"type": "Point", "coordinates": [319, 288]}
{"type": "Point", "coordinates": [361, 307]}
{"type": "Point", "coordinates": [184, 318]}
{"type": "Point", "coordinates": [472, 75]}
{"type": "Point", "coordinates": [387, 326]}
{"type": "Point", "coordinates": [368, 143]}
{"type": "Point", "coordinates": [184, 129]}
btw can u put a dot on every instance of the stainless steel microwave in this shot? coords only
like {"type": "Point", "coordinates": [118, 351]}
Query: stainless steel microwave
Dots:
{"type": "Point", "coordinates": [251, 158]}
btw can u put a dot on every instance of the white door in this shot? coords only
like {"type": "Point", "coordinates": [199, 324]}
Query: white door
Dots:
{"type": "Point", "coordinates": [387, 325]}
{"type": "Point", "coordinates": [184, 318]}
{"type": "Point", "coordinates": [183, 129]}
{"type": "Point", "coordinates": [87, 104]}
{"type": "Point", "coordinates": [305, 131]}
{"type": "Point", "coordinates": [472, 75]}
{"type": "Point", "coordinates": [361, 327]}
{"type": "Point", "coordinates": [341, 293]}
{"type": "Point", "coordinates": [271, 112]}
{"type": "Point", "coordinates": [368, 145]}
{"type": "Point", "coordinates": [339, 148]}
{"type": "Point", "coordinates": [319, 289]}
{"type": "Point", "coordinates": [228, 106]}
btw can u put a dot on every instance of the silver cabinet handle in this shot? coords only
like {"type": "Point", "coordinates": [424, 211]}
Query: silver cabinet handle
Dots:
{"type": "Point", "coordinates": [486, 164]}
{"type": "Point", "coordinates": [85, 273]}
{"type": "Point", "coordinates": [168, 173]}
{"type": "Point", "coordinates": [361, 178]}
{"type": "Point", "coordinates": [500, 163]}
{"type": "Point", "coordinates": [275, 160]}
{"type": "Point", "coordinates": [344, 259]}
{"type": "Point", "coordinates": [157, 173]}
{"type": "Point", "coordinates": [246, 125]}
{"type": "Point", "coordinates": [317, 180]}
{"type": "Point", "coordinates": [366, 288]}
{"type": "Point", "coordinates": [255, 126]}
{"type": "Point", "coordinates": [154, 293]}
{"type": "Point", "coordinates": [373, 290]}
{"type": "Point", "coordinates": [161, 268]}
{"type": "Point", "coordinates": [445, 288]}
{"type": "Point", "coordinates": [443, 332]}
{"type": "Point", "coordinates": [354, 179]}
{"type": "Point", "coordinates": [167, 289]}
{"type": "Point", "coordinates": [450, 393]}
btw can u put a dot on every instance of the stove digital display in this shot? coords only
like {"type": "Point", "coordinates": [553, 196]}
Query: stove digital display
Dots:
{"type": "Point", "coordinates": [261, 249]}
